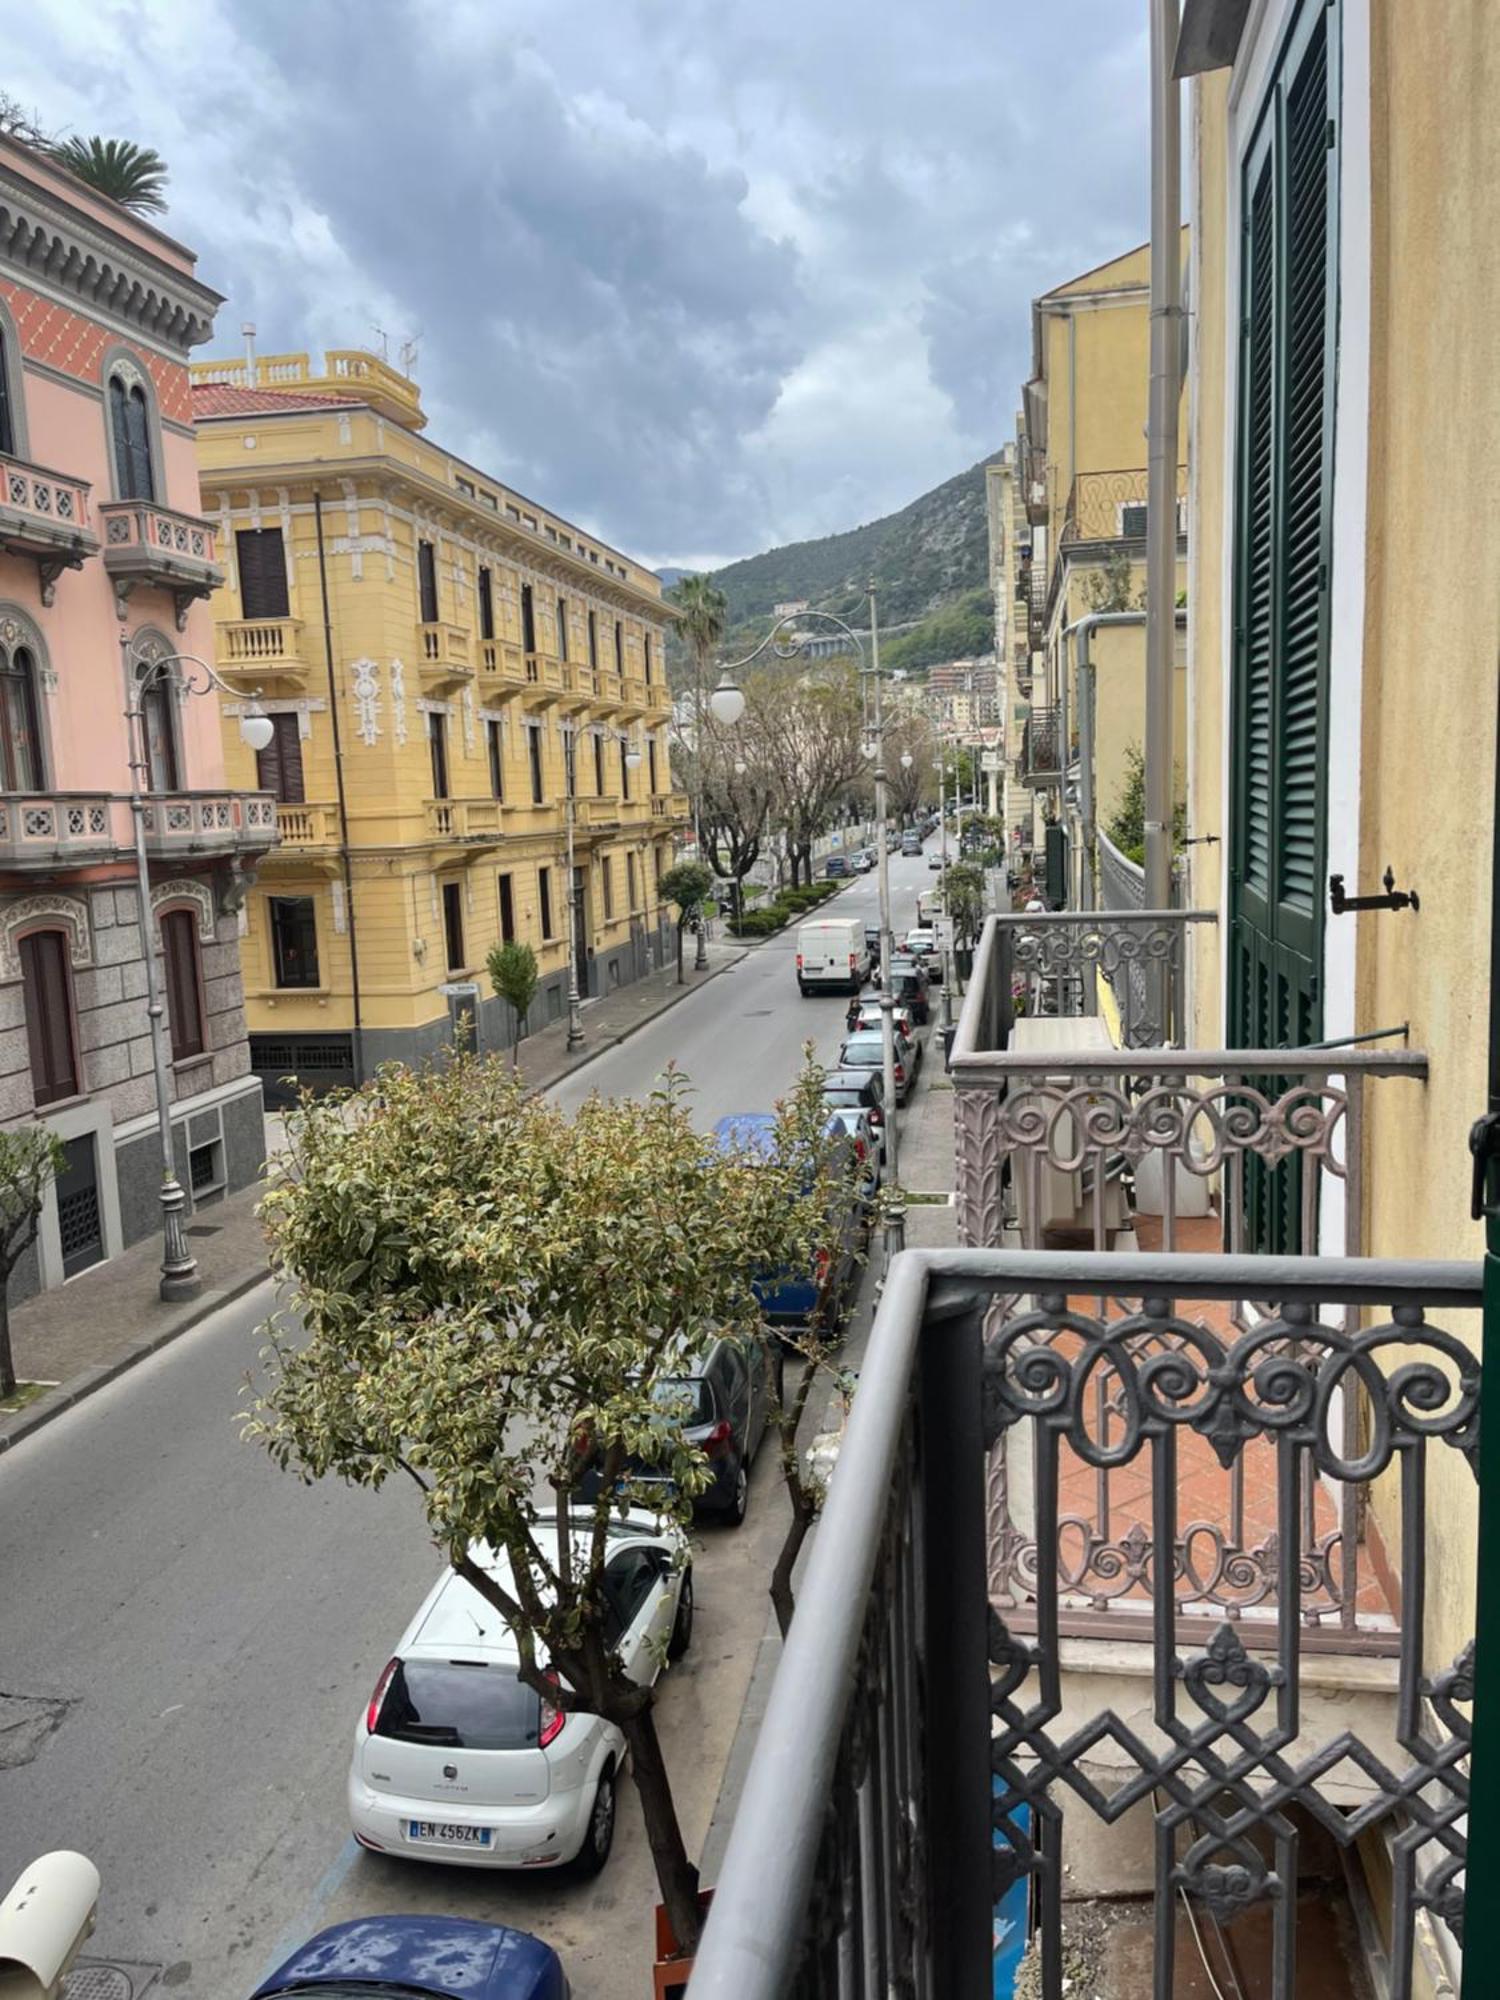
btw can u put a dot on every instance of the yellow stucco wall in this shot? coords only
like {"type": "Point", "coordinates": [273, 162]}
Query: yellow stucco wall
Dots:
{"type": "Point", "coordinates": [1430, 653]}
{"type": "Point", "coordinates": [383, 490]}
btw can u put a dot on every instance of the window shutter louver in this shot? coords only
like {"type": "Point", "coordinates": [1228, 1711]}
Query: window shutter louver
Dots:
{"type": "Point", "coordinates": [47, 997]}
{"type": "Point", "coordinates": [260, 557]}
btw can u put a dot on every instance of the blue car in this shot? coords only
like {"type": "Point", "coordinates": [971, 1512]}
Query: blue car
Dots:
{"type": "Point", "coordinates": [453, 1958]}
{"type": "Point", "coordinates": [793, 1299]}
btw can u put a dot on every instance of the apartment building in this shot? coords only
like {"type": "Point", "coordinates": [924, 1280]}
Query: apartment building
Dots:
{"type": "Point", "coordinates": [106, 566]}
{"type": "Point", "coordinates": [453, 673]}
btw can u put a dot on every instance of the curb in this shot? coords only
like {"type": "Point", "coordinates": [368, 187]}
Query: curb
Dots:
{"type": "Point", "coordinates": [82, 1385]}
{"type": "Point", "coordinates": [67, 1394]}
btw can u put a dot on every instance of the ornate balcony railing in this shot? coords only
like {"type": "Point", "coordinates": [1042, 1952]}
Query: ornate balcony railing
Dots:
{"type": "Point", "coordinates": [920, 1759]}
{"type": "Point", "coordinates": [45, 515]}
{"type": "Point", "coordinates": [445, 653]}
{"type": "Point", "coordinates": [1051, 964]}
{"type": "Point", "coordinates": [42, 830]}
{"type": "Point", "coordinates": [305, 825]}
{"type": "Point", "coordinates": [1111, 506]}
{"type": "Point", "coordinates": [147, 546]}
{"type": "Point", "coordinates": [257, 649]}
{"type": "Point", "coordinates": [1041, 747]}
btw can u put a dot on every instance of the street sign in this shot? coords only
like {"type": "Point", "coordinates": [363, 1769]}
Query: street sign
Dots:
{"type": "Point", "coordinates": [460, 989]}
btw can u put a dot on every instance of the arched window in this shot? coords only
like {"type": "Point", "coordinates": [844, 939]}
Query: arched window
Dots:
{"type": "Point", "coordinates": [159, 722]}
{"type": "Point", "coordinates": [20, 725]}
{"type": "Point", "coordinates": [184, 982]}
{"type": "Point", "coordinates": [47, 983]}
{"type": "Point", "coordinates": [130, 426]}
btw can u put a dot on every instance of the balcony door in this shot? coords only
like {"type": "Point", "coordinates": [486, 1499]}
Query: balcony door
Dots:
{"type": "Point", "coordinates": [159, 728]}
{"type": "Point", "coordinates": [20, 724]}
{"type": "Point", "coordinates": [278, 768]}
{"type": "Point", "coordinates": [1283, 557]}
{"type": "Point", "coordinates": [260, 557]}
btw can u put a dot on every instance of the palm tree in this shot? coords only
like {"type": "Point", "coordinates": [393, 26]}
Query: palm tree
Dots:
{"type": "Point", "coordinates": [132, 175]}
{"type": "Point", "coordinates": [703, 613]}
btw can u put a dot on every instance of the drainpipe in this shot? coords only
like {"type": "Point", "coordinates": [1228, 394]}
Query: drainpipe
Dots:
{"type": "Point", "coordinates": [338, 776]}
{"type": "Point", "coordinates": [1161, 451]}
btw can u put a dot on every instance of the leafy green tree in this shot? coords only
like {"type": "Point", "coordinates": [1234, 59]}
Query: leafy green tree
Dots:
{"type": "Point", "coordinates": [491, 1297]}
{"type": "Point", "coordinates": [963, 901]}
{"type": "Point", "coordinates": [513, 974]}
{"type": "Point", "coordinates": [31, 1158]}
{"type": "Point", "coordinates": [132, 175]}
{"type": "Point", "coordinates": [689, 885]}
{"type": "Point", "coordinates": [1126, 826]}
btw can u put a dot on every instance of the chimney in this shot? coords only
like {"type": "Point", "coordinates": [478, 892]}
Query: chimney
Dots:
{"type": "Point", "coordinates": [248, 330]}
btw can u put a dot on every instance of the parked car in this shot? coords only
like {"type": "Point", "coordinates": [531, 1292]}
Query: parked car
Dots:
{"type": "Point", "coordinates": [832, 955]}
{"type": "Point", "coordinates": [911, 842]}
{"type": "Point", "coordinates": [836, 868]}
{"type": "Point", "coordinates": [868, 1019]}
{"type": "Point", "coordinates": [797, 1298]}
{"type": "Point", "coordinates": [858, 1090]}
{"type": "Point", "coordinates": [935, 859]}
{"type": "Point", "coordinates": [866, 1051]}
{"type": "Point", "coordinates": [454, 1958]}
{"type": "Point", "coordinates": [457, 1760]}
{"type": "Point", "coordinates": [721, 1401]}
{"type": "Point", "coordinates": [910, 986]}
{"type": "Point", "coordinates": [868, 1141]}
{"type": "Point", "coordinates": [892, 841]}
{"type": "Point", "coordinates": [922, 945]}
{"type": "Point", "coordinates": [864, 860]}
{"type": "Point", "coordinates": [872, 947]}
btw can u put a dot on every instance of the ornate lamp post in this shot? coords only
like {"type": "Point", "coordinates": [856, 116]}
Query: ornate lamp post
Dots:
{"type": "Point", "coordinates": [144, 675]}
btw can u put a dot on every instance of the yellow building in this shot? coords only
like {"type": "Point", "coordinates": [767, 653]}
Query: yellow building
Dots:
{"type": "Point", "coordinates": [1081, 479]}
{"type": "Point", "coordinates": [434, 650]}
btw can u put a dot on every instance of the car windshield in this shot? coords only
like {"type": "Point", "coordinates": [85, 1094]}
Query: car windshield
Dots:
{"type": "Point", "coordinates": [460, 1704]}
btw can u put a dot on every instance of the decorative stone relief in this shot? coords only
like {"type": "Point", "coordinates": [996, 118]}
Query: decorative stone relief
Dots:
{"type": "Point", "coordinates": [69, 912]}
{"type": "Point", "coordinates": [398, 702]}
{"type": "Point", "coordinates": [468, 708]}
{"type": "Point", "coordinates": [303, 707]}
{"type": "Point", "coordinates": [356, 544]}
{"type": "Point", "coordinates": [366, 701]}
{"type": "Point", "coordinates": [340, 908]}
{"type": "Point", "coordinates": [186, 889]}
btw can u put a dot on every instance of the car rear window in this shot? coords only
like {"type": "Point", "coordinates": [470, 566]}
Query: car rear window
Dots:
{"type": "Point", "coordinates": [863, 1049]}
{"type": "Point", "coordinates": [462, 1704]}
{"type": "Point", "coordinates": [690, 1400]}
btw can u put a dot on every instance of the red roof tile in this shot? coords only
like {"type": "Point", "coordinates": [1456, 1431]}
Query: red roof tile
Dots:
{"type": "Point", "coordinates": [223, 399]}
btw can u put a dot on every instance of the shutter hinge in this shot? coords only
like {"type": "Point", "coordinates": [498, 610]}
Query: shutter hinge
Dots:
{"type": "Point", "coordinates": [1330, 134]}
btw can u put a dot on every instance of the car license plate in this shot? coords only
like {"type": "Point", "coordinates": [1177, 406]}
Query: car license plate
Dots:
{"type": "Point", "coordinates": [447, 1835]}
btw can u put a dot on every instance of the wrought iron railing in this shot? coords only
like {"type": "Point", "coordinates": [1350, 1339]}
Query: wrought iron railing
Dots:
{"type": "Point", "coordinates": [919, 1757]}
{"type": "Point", "coordinates": [1041, 745]}
{"type": "Point", "coordinates": [1050, 963]}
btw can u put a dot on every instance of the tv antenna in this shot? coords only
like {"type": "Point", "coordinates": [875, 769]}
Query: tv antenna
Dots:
{"type": "Point", "coordinates": [383, 338]}
{"type": "Point", "coordinates": [408, 353]}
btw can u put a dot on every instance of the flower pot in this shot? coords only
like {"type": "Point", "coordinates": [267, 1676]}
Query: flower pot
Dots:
{"type": "Point", "coordinates": [671, 1972]}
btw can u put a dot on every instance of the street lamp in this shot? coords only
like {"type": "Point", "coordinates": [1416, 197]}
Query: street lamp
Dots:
{"type": "Point", "coordinates": [144, 674]}
{"type": "Point", "coordinates": [726, 704]}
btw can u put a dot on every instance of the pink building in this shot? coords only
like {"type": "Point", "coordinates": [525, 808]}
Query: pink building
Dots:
{"type": "Point", "coordinates": [104, 560]}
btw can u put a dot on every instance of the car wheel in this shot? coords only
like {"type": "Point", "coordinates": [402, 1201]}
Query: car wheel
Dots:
{"type": "Point", "coordinates": [599, 1836]}
{"type": "Point", "coordinates": [682, 1624]}
{"type": "Point", "coordinates": [739, 1503]}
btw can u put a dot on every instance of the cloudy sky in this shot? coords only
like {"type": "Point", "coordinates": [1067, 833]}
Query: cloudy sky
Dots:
{"type": "Point", "coordinates": [705, 275]}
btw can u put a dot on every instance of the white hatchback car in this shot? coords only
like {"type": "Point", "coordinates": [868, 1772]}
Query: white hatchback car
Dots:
{"type": "Point", "coordinates": [457, 1760]}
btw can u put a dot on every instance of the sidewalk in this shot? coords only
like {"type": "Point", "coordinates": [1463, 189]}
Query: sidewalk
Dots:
{"type": "Point", "coordinates": [85, 1333]}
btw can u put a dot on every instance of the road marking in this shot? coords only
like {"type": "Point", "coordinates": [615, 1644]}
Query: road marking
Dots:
{"type": "Point", "coordinates": [311, 1920]}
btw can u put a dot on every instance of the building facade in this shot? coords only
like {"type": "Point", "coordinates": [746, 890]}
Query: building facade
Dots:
{"type": "Point", "coordinates": [105, 569]}
{"type": "Point", "coordinates": [439, 657]}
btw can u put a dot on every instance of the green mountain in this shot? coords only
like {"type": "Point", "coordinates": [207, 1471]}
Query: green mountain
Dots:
{"type": "Point", "coordinates": [929, 562]}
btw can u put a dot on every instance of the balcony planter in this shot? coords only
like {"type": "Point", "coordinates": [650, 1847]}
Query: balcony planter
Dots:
{"type": "Point", "coordinates": [671, 1971]}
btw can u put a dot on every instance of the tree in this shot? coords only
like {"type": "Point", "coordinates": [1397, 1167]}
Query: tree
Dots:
{"type": "Point", "coordinates": [736, 808]}
{"type": "Point", "coordinates": [963, 902]}
{"type": "Point", "coordinates": [908, 785]}
{"type": "Point", "coordinates": [703, 611]}
{"type": "Point", "coordinates": [689, 885]}
{"type": "Point", "coordinates": [808, 737]}
{"type": "Point", "coordinates": [492, 1298]}
{"type": "Point", "coordinates": [1126, 826]}
{"type": "Point", "coordinates": [31, 1158]}
{"type": "Point", "coordinates": [513, 974]}
{"type": "Point", "coordinates": [22, 125]}
{"type": "Point", "coordinates": [1111, 587]}
{"type": "Point", "coordinates": [132, 175]}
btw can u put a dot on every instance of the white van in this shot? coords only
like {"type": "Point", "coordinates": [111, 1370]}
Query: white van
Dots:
{"type": "Point", "coordinates": [832, 954]}
{"type": "Point", "coordinates": [929, 906]}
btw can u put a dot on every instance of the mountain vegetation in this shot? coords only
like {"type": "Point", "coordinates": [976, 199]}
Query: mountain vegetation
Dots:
{"type": "Point", "coordinates": [929, 562]}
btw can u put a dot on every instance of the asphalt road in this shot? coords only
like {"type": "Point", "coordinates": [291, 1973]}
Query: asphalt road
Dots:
{"type": "Point", "coordinates": [187, 1635]}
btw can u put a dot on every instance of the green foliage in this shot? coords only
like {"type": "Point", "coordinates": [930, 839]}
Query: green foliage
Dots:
{"type": "Point", "coordinates": [31, 1158]}
{"type": "Point", "coordinates": [963, 895]}
{"type": "Point", "coordinates": [513, 974]}
{"type": "Point", "coordinates": [958, 631]}
{"type": "Point", "coordinates": [486, 1297]}
{"type": "Point", "coordinates": [1111, 587]}
{"type": "Point", "coordinates": [703, 611]}
{"type": "Point", "coordinates": [1126, 826]}
{"type": "Point", "coordinates": [132, 175]}
{"type": "Point", "coordinates": [688, 885]}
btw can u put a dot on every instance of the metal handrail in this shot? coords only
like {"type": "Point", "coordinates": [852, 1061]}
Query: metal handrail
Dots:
{"type": "Point", "coordinates": [756, 1944]}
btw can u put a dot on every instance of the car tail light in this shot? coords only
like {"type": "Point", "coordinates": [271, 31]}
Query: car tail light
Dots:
{"type": "Point", "coordinates": [853, 961]}
{"type": "Point", "coordinates": [718, 1438]}
{"type": "Point", "coordinates": [553, 1717]}
{"type": "Point", "coordinates": [900, 1074]}
{"type": "Point", "coordinates": [859, 1148]}
{"type": "Point", "coordinates": [877, 1116]}
{"type": "Point", "coordinates": [372, 1713]}
{"type": "Point", "coordinates": [799, 961]}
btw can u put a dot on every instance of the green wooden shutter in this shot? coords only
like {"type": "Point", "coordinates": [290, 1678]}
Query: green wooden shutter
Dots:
{"type": "Point", "coordinates": [1283, 549]}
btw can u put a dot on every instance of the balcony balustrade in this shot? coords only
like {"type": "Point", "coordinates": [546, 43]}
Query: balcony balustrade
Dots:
{"type": "Point", "coordinates": [45, 515]}
{"type": "Point", "coordinates": [252, 651]}
{"type": "Point", "coordinates": [445, 654]}
{"type": "Point", "coordinates": [1111, 506]}
{"type": "Point", "coordinates": [46, 831]}
{"type": "Point", "coordinates": [670, 805]}
{"type": "Point", "coordinates": [151, 547]}
{"type": "Point", "coordinates": [634, 695]}
{"type": "Point", "coordinates": [922, 1757]}
{"type": "Point", "coordinates": [595, 814]}
{"type": "Point", "coordinates": [306, 826]}
{"type": "Point", "coordinates": [479, 820]}
{"type": "Point", "coordinates": [1041, 748]}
